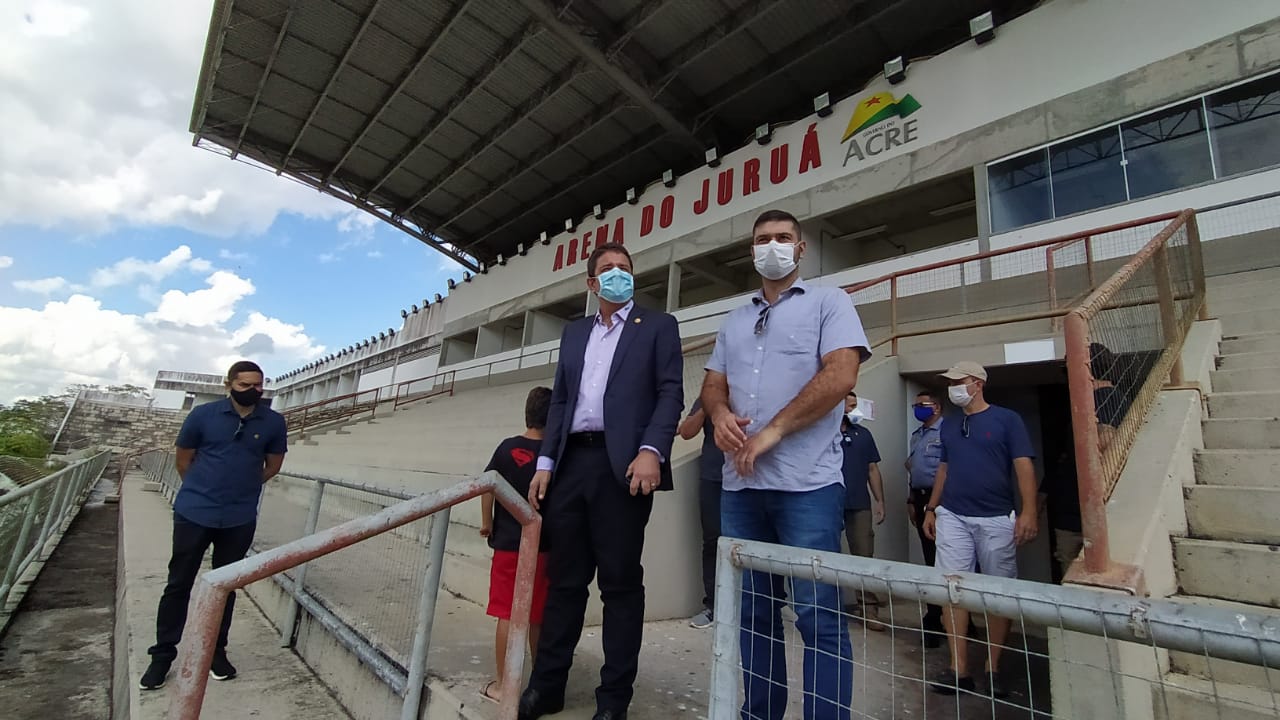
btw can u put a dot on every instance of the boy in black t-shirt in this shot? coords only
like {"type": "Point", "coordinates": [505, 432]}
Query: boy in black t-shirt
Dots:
{"type": "Point", "coordinates": [515, 459]}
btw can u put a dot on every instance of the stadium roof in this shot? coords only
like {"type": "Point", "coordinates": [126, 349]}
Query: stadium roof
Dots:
{"type": "Point", "coordinates": [474, 125]}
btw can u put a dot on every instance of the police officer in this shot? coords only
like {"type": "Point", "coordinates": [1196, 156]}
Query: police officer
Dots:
{"type": "Point", "coordinates": [922, 466]}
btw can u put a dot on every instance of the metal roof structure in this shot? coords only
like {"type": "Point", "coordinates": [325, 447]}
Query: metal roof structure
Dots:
{"type": "Point", "coordinates": [474, 125]}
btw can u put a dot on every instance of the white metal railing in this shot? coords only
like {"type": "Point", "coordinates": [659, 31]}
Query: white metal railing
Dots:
{"type": "Point", "coordinates": [33, 518]}
{"type": "Point", "coordinates": [1073, 652]}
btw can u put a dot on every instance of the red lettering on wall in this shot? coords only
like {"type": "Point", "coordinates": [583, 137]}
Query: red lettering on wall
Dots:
{"type": "Point", "coordinates": [572, 255]}
{"type": "Point", "coordinates": [668, 211]}
{"type": "Point", "coordinates": [724, 187]}
{"type": "Point", "coordinates": [617, 232]}
{"type": "Point", "coordinates": [750, 177]}
{"type": "Point", "coordinates": [602, 235]}
{"type": "Point", "coordinates": [810, 154]}
{"type": "Point", "coordinates": [700, 205]}
{"type": "Point", "coordinates": [778, 164]}
{"type": "Point", "coordinates": [586, 245]}
{"type": "Point", "coordinates": [559, 263]}
{"type": "Point", "coordinates": [646, 220]}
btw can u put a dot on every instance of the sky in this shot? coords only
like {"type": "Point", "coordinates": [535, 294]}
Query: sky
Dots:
{"type": "Point", "coordinates": [124, 250]}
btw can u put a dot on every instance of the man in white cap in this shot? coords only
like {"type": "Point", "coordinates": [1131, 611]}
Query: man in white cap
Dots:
{"type": "Point", "coordinates": [976, 514]}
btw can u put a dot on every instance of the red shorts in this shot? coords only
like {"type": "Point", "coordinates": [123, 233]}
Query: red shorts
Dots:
{"type": "Point", "coordinates": [502, 586]}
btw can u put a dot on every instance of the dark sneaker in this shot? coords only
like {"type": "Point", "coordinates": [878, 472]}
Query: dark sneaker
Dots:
{"type": "Point", "coordinates": [946, 683]}
{"type": "Point", "coordinates": [153, 678]}
{"type": "Point", "coordinates": [701, 620]}
{"type": "Point", "coordinates": [996, 683]}
{"type": "Point", "coordinates": [221, 669]}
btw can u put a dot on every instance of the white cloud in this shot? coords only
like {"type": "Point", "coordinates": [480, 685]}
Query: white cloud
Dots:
{"type": "Point", "coordinates": [78, 340]}
{"type": "Point", "coordinates": [132, 269]}
{"type": "Point", "coordinates": [5, 261]}
{"type": "Point", "coordinates": [225, 254]}
{"type": "Point", "coordinates": [43, 286]}
{"type": "Point", "coordinates": [375, 254]}
{"type": "Point", "coordinates": [97, 139]}
{"type": "Point", "coordinates": [327, 257]}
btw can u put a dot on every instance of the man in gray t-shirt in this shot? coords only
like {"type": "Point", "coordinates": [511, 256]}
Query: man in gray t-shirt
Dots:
{"type": "Point", "coordinates": [774, 391]}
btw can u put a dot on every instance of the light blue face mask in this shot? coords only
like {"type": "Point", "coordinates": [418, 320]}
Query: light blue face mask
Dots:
{"type": "Point", "coordinates": [617, 285]}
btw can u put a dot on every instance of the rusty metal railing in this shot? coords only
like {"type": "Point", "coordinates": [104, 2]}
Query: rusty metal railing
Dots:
{"type": "Point", "coordinates": [212, 588]}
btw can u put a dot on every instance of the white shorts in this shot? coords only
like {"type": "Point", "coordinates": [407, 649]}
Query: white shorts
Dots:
{"type": "Point", "coordinates": [965, 542]}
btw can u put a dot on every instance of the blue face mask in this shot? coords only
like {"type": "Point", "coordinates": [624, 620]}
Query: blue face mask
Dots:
{"type": "Point", "coordinates": [617, 285]}
{"type": "Point", "coordinates": [923, 413]}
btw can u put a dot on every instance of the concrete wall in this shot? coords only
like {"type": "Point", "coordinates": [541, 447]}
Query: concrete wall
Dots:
{"type": "Point", "coordinates": [122, 426]}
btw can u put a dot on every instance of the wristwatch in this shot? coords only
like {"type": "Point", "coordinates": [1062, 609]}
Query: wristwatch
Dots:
{"type": "Point", "coordinates": [930, 508]}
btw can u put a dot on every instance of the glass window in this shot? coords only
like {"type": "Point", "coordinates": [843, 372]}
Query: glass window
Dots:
{"type": "Point", "coordinates": [1087, 173]}
{"type": "Point", "coordinates": [1245, 126]}
{"type": "Point", "coordinates": [1019, 191]}
{"type": "Point", "coordinates": [1166, 150]}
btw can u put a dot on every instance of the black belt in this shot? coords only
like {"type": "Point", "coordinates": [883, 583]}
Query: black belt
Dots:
{"type": "Point", "coordinates": [586, 439]}
{"type": "Point", "coordinates": [922, 491]}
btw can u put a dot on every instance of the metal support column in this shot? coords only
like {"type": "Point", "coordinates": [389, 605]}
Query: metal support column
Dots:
{"type": "Point", "coordinates": [426, 616]}
{"type": "Point", "coordinates": [288, 630]}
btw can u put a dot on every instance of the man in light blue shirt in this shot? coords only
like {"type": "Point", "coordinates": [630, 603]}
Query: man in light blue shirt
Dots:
{"type": "Point", "coordinates": [774, 390]}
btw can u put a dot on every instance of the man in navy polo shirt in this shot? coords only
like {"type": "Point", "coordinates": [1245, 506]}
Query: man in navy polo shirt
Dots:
{"type": "Point", "coordinates": [985, 475]}
{"type": "Point", "coordinates": [226, 451]}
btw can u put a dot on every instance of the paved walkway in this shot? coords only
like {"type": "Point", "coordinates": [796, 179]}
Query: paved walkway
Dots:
{"type": "Point", "coordinates": [273, 683]}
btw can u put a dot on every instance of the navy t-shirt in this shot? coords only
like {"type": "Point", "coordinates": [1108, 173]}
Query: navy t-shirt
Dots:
{"type": "Point", "coordinates": [222, 486]}
{"type": "Point", "coordinates": [859, 452]}
{"type": "Point", "coordinates": [980, 478]}
{"type": "Point", "coordinates": [711, 463]}
{"type": "Point", "coordinates": [515, 460]}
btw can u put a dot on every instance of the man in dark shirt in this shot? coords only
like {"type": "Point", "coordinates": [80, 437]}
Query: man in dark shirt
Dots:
{"type": "Point", "coordinates": [863, 499]}
{"type": "Point", "coordinates": [226, 451]}
{"type": "Point", "coordinates": [710, 469]}
{"type": "Point", "coordinates": [514, 460]}
{"type": "Point", "coordinates": [986, 474]}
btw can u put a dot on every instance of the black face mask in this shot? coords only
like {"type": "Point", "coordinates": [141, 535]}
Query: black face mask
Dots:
{"type": "Point", "coordinates": [246, 398]}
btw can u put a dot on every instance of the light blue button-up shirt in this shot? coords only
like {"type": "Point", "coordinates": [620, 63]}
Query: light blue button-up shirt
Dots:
{"type": "Point", "coordinates": [766, 371]}
{"type": "Point", "coordinates": [926, 455]}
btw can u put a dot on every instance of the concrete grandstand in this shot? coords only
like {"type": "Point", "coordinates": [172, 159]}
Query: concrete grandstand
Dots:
{"type": "Point", "coordinates": [968, 194]}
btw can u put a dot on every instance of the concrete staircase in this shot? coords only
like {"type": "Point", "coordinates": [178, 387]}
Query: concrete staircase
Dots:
{"type": "Point", "coordinates": [1231, 555]}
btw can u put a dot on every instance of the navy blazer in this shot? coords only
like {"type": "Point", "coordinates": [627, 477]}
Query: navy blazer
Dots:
{"type": "Point", "coordinates": [643, 397]}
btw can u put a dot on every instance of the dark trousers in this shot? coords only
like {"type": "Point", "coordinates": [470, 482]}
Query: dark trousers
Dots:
{"type": "Point", "coordinates": [596, 529]}
{"type": "Point", "coordinates": [190, 541]}
{"type": "Point", "coordinates": [919, 500]}
{"type": "Point", "coordinates": [709, 509]}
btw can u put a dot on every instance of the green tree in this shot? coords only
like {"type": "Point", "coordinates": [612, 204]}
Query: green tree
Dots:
{"type": "Point", "coordinates": [23, 445]}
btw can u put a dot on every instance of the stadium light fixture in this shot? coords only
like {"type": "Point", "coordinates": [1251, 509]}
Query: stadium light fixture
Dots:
{"type": "Point", "coordinates": [764, 134]}
{"type": "Point", "coordinates": [598, 211]}
{"type": "Point", "coordinates": [522, 249]}
{"type": "Point", "coordinates": [404, 313]}
{"type": "Point", "coordinates": [821, 105]}
{"type": "Point", "coordinates": [713, 157]}
{"type": "Point", "coordinates": [895, 71]}
{"type": "Point", "coordinates": [983, 28]}
{"type": "Point", "coordinates": [632, 196]}
{"type": "Point", "coordinates": [466, 276]}
{"type": "Point", "coordinates": [669, 178]}
{"type": "Point", "coordinates": [568, 224]}
{"type": "Point", "coordinates": [438, 298]}
{"type": "Point", "coordinates": [502, 259]}
{"type": "Point", "coordinates": [453, 283]}
{"type": "Point", "coordinates": [544, 238]}
{"type": "Point", "coordinates": [415, 308]}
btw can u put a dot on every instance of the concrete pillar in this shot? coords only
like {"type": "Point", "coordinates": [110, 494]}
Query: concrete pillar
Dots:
{"type": "Point", "coordinates": [673, 287]}
{"type": "Point", "coordinates": [982, 207]}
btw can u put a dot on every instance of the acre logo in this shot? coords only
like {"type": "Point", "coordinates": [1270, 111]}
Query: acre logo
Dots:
{"type": "Point", "coordinates": [878, 124]}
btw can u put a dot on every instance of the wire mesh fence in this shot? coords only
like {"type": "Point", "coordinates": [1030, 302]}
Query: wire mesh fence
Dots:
{"type": "Point", "coordinates": [33, 514]}
{"type": "Point", "coordinates": [1070, 652]}
{"type": "Point", "coordinates": [375, 586]}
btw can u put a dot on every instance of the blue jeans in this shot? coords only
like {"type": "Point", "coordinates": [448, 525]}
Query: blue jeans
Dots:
{"type": "Point", "coordinates": [814, 520]}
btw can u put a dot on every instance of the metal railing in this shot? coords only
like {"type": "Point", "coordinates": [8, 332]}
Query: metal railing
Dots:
{"type": "Point", "coordinates": [1128, 333]}
{"type": "Point", "coordinates": [1073, 652]}
{"type": "Point", "coordinates": [345, 408]}
{"type": "Point", "coordinates": [33, 517]}
{"type": "Point", "coordinates": [210, 593]}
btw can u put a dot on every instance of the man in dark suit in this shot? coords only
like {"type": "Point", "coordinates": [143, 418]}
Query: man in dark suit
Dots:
{"type": "Point", "coordinates": [618, 395]}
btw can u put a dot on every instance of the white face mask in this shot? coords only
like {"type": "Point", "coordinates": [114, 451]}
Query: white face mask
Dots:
{"type": "Point", "coordinates": [959, 395]}
{"type": "Point", "coordinates": [775, 260]}
{"type": "Point", "coordinates": [854, 416]}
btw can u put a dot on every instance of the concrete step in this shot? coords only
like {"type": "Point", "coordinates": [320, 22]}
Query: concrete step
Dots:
{"type": "Point", "coordinates": [1244, 361]}
{"type": "Point", "coordinates": [1240, 572]}
{"type": "Point", "coordinates": [1244, 404]}
{"type": "Point", "coordinates": [1187, 697]}
{"type": "Point", "coordinates": [1242, 434]}
{"type": "Point", "coordinates": [1250, 343]}
{"type": "Point", "coordinates": [1245, 468]}
{"type": "Point", "coordinates": [1202, 666]}
{"type": "Point", "coordinates": [1255, 296]}
{"type": "Point", "coordinates": [1249, 321]}
{"type": "Point", "coordinates": [1246, 380]}
{"type": "Point", "coordinates": [1242, 514]}
{"type": "Point", "coordinates": [1249, 282]}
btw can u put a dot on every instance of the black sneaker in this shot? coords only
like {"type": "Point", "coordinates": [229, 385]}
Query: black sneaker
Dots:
{"type": "Point", "coordinates": [153, 678]}
{"type": "Point", "coordinates": [996, 683]}
{"type": "Point", "coordinates": [221, 669]}
{"type": "Point", "coordinates": [946, 683]}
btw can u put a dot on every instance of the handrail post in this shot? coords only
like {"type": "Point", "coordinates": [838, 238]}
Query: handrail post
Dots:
{"type": "Point", "coordinates": [1168, 311]}
{"type": "Point", "coordinates": [64, 486]}
{"type": "Point", "coordinates": [302, 431]}
{"type": "Point", "coordinates": [893, 314]}
{"type": "Point", "coordinates": [288, 629]}
{"type": "Point", "coordinates": [1088, 259]}
{"type": "Point", "coordinates": [1197, 265]}
{"type": "Point", "coordinates": [11, 572]}
{"type": "Point", "coordinates": [426, 616]}
{"type": "Point", "coordinates": [1089, 474]}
